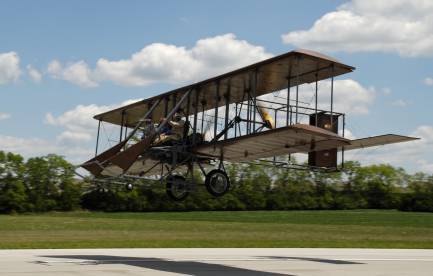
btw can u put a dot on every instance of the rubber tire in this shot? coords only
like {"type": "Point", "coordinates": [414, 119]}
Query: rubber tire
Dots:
{"type": "Point", "coordinates": [169, 186]}
{"type": "Point", "coordinates": [209, 186]}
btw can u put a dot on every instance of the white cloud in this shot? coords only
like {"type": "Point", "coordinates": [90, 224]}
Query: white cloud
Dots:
{"type": "Point", "coordinates": [425, 166]}
{"type": "Point", "coordinates": [78, 132]}
{"type": "Point", "coordinates": [414, 155]}
{"type": "Point", "coordinates": [70, 136]}
{"type": "Point", "coordinates": [4, 116]}
{"type": "Point", "coordinates": [154, 63]}
{"type": "Point", "coordinates": [386, 91]}
{"type": "Point", "coordinates": [349, 96]}
{"type": "Point", "coordinates": [347, 134]}
{"type": "Point", "coordinates": [32, 147]}
{"type": "Point", "coordinates": [159, 62]}
{"type": "Point", "coordinates": [78, 116]}
{"type": "Point", "coordinates": [77, 73]}
{"type": "Point", "coordinates": [428, 81]}
{"type": "Point", "coordinates": [54, 68]}
{"type": "Point", "coordinates": [34, 74]}
{"type": "Point", "coordinates": [184, 19]}
{"type": "Point", "coordinates": [222, 53]}
{"type": "Point", "coordinates": [27, 147]}
{"type": "Point", "coordinates": [399, 103]}
{"type": "Point", "coordinates": [75, 142]}
{"type": "Point", "coordinates": [401, 26]}
{"type": "Point", "coordinates": [78, 123]}
{"type": "Point", "coordinates": [9, 67]}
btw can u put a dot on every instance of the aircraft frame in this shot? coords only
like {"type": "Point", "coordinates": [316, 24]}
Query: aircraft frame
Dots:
{"type": "Point", "coordinates": [242, 125]}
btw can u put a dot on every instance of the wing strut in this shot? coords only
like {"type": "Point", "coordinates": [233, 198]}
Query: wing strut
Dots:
{"type": "Point", "coordinates": [126, 158]}
{"type": "Point", "coordinates": [95, 165]}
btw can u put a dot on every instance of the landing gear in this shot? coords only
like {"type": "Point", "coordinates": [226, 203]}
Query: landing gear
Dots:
{"type": "Point", "coordinates": [177, 187]}
{"type": "Point", "coordinates": [217, 182]}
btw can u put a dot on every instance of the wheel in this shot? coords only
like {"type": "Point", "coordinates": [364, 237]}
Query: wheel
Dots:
{"type": "Point", "coordinates": [217, 183]}
{"type": "Point", "coordinates": [177, 188]}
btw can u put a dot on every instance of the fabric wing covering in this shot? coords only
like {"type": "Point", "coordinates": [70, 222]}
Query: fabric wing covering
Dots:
{"type": "Point", "coordinates": [377, 141]}
{"type": "Point", "coordinates": [297, 138]}
{"type": "Point", "coordinates": [274, 74]}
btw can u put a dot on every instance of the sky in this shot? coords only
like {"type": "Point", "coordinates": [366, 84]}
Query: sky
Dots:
{"type": "Point", "coordinates": [63, 62]}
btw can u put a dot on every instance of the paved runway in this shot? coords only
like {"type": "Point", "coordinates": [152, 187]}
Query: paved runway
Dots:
{"type": "Point", "coordinates": [211, 262]}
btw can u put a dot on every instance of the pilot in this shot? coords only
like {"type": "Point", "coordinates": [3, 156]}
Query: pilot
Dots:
{"type": "Point", "coordinates": [173, 130]}
{"type": "Point", "coordinates": [177, 126]}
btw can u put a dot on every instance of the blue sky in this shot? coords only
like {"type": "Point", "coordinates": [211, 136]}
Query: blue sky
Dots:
{"type": "Point", "coordinates": [51, 52]}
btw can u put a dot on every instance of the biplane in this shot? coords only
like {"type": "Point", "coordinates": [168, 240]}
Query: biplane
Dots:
{"type": "Point", "coordinates": [230, 118]}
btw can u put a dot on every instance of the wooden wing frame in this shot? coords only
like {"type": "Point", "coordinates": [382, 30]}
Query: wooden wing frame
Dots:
{"type": "Point", "coordinates": [298, 138]}
{"type": "Point", "coordinates": [299, 66]}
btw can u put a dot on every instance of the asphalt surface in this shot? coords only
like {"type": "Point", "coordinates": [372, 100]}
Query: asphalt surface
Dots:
{"type": "Point", "coordinates": [220, 261]}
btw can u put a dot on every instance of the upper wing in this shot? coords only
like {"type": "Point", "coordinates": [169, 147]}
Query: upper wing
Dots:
{"type": "Point", "coordinates": [272, 75]}
{"type": "Point", "coordinates": [291, 139]}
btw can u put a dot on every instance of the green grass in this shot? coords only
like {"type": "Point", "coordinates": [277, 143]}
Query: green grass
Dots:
{"type": "Point", "coordinates": [371, 228]}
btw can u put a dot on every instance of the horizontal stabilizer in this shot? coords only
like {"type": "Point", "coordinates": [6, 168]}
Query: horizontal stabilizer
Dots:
{"type": "Point", "coordinates": [377, 141]}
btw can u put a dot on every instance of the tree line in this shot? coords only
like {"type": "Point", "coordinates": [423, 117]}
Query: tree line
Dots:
{"type": "Point", "coordinates": [47, 183]}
